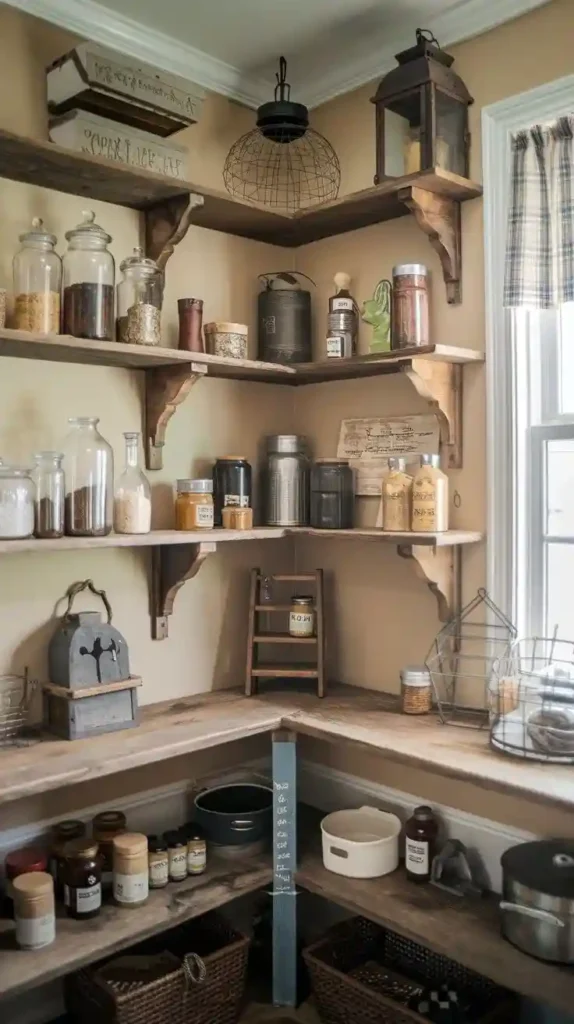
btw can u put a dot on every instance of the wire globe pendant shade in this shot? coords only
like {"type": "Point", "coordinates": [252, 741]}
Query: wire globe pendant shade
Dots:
{"type": "Point", "coordinates": [282, 162]}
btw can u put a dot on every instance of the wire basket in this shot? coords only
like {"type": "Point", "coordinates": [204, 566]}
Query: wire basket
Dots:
{"type": "Point", "coordinates": [461, 661]}
{"type": "Point", "coordinates": [16, 693]}
{"type": "Point", "coordinates": [532, 700]}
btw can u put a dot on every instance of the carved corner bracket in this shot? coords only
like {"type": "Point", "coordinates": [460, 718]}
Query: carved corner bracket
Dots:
{"type": "Point", "coordinates": [172, 566]}
{"type": "Point", "coordinates": [165, 389]}
{"type": "Point", "coordinates": [166, 224]}
{"type": "Point", "coordinates": [439, 218]}
{"type": "Point", "coordinates": [440, 384]}
{"type": "Point", "coordinates": [440, 568]}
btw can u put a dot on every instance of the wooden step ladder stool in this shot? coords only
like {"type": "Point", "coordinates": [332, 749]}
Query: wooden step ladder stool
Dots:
{"type": "Point", "coordinates": [260, 602]}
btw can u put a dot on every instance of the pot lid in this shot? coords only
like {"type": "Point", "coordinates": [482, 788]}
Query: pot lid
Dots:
{"type": "Point", "coordinates": [546, 865]}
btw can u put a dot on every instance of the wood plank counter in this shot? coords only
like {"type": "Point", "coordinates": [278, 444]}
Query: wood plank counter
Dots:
{"type": "Point", "coordinates": [347, 715]}
{"type": "Point", "coordinates": [82, 942]}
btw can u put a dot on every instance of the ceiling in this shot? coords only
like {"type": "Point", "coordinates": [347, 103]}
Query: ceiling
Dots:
{"type": "Point", "coordinates": [232, 46]}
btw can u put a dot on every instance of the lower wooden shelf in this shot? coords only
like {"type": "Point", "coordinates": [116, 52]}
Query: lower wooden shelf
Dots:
{"type": "Point", "coordinates": [79, 943]}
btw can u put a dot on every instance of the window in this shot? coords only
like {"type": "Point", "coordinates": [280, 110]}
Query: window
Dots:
{"type": "Point", "coordinates": [530, 397]}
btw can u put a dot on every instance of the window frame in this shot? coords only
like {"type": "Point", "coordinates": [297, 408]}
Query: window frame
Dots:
{"type": "Point", "coordinates": [499, 122]}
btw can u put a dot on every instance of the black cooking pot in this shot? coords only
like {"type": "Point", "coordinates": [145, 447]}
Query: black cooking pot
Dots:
{"type": "Point", "coordinates": [235, 814]}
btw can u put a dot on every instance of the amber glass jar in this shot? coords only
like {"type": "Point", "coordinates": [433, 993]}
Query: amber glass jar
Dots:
{"type": "Point", "coordinates": [63, 833]}
{"type": "Point", "coordinates": [421, 832]}
{"type": "Point", "coordinates": [157, 862]}
{"type": "Point", "coordinates": [194, 505]}
{"type": "Point", "coordinates": [131, 873]}
{"type": "Point", "coordinates": [105, 827]}
{"type": "Point", "coordinates": [82, 877]}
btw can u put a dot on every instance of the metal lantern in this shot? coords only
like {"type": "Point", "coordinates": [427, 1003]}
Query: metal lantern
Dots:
{"type": "Point", "coordinates": [422, 114]}
{"type": "Point", "coordinates": [282, 162]}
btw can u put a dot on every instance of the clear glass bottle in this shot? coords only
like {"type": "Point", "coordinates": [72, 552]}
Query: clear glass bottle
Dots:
{"type": "Point", "coordinates": [132, 501]}
{"type": "Point", "coordinates": [89, 279]}
{"type": "Point", "coordinates": [140, 291]}
{"type": "Point", "coordinates": [37, 270]}
{"type": "Point", "coordinates": [17, 493]}
{"type": "Point", "coordinates": [50, 493]}
{"type": "Point", "coordinates": [89, 467]}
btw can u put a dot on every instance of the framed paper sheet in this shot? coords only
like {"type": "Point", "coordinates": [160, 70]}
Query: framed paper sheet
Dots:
{"type": "Point", "coordinates": [368, 443]}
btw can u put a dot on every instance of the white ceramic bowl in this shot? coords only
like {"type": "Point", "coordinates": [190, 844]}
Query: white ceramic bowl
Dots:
{"type": "Point", "coordinates": [363, 843]}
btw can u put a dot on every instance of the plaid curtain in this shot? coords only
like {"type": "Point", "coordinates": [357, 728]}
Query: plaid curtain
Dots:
{"type": "Point", "coordinates": [540, 241]}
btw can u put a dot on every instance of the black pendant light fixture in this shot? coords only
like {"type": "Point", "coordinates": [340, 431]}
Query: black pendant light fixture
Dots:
{"type": "Point", "coordinates": [282, 162]}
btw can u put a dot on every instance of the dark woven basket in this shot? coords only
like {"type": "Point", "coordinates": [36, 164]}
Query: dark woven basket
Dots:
{"type": "Point", "coordinates": [347, 969]}
{"type": "Point", "coordinates": [171, 999]}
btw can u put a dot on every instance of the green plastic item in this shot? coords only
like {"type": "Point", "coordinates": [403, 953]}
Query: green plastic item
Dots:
{"type": "Point", "coordinates": [377, 313]}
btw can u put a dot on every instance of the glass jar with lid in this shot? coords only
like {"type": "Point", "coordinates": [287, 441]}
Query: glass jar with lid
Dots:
{"type": "Point", "coordinates": [89, 463]}
{"type": "Point", "coordinates": [139, 300]}
{"type": "Point", "coordinates": [17, 499]}
{"type": "Point", "coordinates": [89, 279]}
{"type": "Point", "coordinates": [332, 495]}
{"type": "Point", "coordinates": [194, 505]}
{"type": "Point", "coordinates": [37, 271]}
{"type": "Point", "coordinates": [82, 878]}
{"type": "Point", "coordinates": [48, 477]}
{"type": "Point", "coordinates": [132, 500]}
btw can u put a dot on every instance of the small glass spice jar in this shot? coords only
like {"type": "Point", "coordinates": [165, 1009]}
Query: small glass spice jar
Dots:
{"type": "Point", "coordinates": [302, 616]}
{"type": "Point", "coordinates": [416, 690]}
{"type": "Point", "coordinates": [20, 862]}
{"type": "Point", "coordinates": [196, 849]}
{"type": "Point", "coordinates": [48, 477]}
{"type": "Point", "coordinates": [63, 833]}
{"type": "Point", "coordinates": [105, 827]}
{"type": "Point", "coordinates": [177, 855]}
{"type": "Point", "coordinates": [131, 872]}
{"type": "Point", "coordinates": [194, 505]}
{"type": "Point", "coordinates": [82, 877]}
{"type": "Point", "coordinates": [34, 910]}
{"type": "Point", "coordinates": [421, 831]}
{"type": "Point", "coordinates": [158, 863]}
{"type": "Point", "coordinates": [139, 301]}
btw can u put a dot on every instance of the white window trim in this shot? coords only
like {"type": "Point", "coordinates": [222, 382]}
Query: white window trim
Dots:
{"type": "Point", "coordinates": [499, 121]}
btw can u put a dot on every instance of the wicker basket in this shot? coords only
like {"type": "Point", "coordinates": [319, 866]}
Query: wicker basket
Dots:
{"type": "Point", "coordinates": [172, 998]}
{"type": "Point", "coordinates": [356, 963]}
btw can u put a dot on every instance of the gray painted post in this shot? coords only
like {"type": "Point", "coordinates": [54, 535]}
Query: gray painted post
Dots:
{"type": "Point", "coordinates": [284, 866]}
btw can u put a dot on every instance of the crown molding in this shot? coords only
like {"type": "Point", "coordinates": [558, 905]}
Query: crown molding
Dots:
{"type": "Point", "coordinates": [90, 20]}
{"type": "Point", "coordinates": [102, 25]}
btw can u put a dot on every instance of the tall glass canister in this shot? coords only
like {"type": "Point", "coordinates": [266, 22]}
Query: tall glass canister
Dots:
{"type": "Point", "coordinates": [132, 500]}
{"type": "Point", "coordinates": [89, 469]}
{"type": "Point", "coordinates": [89, 279]}
{"type": "Point", "coordinates": [50, 492]}
{"type": "Point", "coordinates": [139, 301]}
{"type": "Point", "coordinates": [37, 270]}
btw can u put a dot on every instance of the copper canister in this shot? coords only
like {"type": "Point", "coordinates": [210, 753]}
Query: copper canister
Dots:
{"type": "Point", "coordinates": [410, 309]}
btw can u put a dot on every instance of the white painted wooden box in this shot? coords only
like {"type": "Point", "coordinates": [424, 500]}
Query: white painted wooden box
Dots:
{"type": "Point", "coordinates": [101, 81]}
{"type": "Point", "coordinates": [98, 136]}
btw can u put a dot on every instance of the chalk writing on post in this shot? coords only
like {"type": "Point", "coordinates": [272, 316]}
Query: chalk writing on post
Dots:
{"type": "Point", "coordinates": [283, 838]}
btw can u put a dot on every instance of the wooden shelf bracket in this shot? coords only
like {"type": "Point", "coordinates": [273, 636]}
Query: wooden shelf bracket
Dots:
{"type": "Point", "coordinates": [166, 224]}
{"type": "Point", "coordinates": [440, 384]}
{"type": "Point", "coordinates": [440, 568]}
{"type": "Point", "coordinates": [439, 218]}
{"type": "Point", "coordinates": [171, 568]}
{"type": "Point", "coordinates": [165, 389]}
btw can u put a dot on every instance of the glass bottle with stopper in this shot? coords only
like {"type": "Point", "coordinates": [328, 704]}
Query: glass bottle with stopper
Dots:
{"type": "Point", "coordinates": [343, 320]}
{"type": "Point", "coordinates": [132, 499]}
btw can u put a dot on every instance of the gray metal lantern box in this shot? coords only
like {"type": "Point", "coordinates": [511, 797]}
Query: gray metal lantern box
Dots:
{"type": "Point", "coordinates": [84, 651]}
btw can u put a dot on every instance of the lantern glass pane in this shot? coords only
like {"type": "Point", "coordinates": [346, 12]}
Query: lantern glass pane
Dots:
{"type": "Point", "coordinates": [451, 119]}
{"type": "Point", "coordinates": [402, 134]}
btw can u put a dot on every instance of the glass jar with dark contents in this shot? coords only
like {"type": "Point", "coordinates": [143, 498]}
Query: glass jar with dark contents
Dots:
{"type": "Point", "coordinates": [105, 827]}
{"type": "Point", "coordinates": [63, 833]}
{"type": "Point", "coordinates": [231, 485]}
{"type": "Point", "coordinates": [421, 831]}
{"type": "Point", "coordinates": [89, 280]}
{"type": "Point", "coordinates": [82, 877]}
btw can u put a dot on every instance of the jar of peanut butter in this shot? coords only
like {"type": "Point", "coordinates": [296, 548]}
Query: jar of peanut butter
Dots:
{"type": "Point", "coordinates": [194, 505]}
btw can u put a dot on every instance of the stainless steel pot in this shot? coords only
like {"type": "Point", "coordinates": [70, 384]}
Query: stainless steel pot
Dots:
{"type": "Point", "coordinates": [538, 904]}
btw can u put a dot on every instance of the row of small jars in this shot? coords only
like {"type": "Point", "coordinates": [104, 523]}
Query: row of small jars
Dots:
{"type": "Point", "coordinates": [78, 497]}
{"type": "Point", "coordinates": [76, 294]}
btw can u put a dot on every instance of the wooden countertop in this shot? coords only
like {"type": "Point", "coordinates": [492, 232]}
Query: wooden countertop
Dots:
{"type": "Point", "coordinates": [347, 715]}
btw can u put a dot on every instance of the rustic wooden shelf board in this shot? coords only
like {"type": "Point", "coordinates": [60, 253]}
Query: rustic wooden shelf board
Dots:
{"type": "Point", "coordinates": [377, 365]}
{"type": "Point", "coordinates": [282, 638]}
{"type": "Point", "coordinates": [275, 671]}
{"type": "Point", "coordinates": [157, 538]}
{"type": "Point", "coordinates": [465, 930]}
{"type": "Point", "coordinates": [447, 539]}
{"type": "Point", "coordinates": [79, 943]}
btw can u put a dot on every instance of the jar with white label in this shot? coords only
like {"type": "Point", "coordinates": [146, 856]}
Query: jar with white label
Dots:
{"type": "Point", "coordinates": [34, 910]}
{"type": "Point", "coordinates": [131, 876]}
{"type": "Point", "coordinates": [196, 849]}
{"type": "Point", "coordinates": [177, 855]}
{"type": "Point", "coordinates": [302, 616]}
{"type": "Point", "coordinates": [421, 832]}
{"type": "Point", "coordinates": [343, 321]}
{"type": "Point", "coordinates": [157, 862]}
{"type": "Point", "coordinates": [82, 878]}
{"type": "Point", "coordinates": [430, 497]}
{"type": "Point", "coordinates": [194, 505]}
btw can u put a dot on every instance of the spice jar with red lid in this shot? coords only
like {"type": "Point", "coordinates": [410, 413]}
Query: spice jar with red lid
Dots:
{"type": "Point", "coordinates": [421, 832]}
{"type": "Point", "coordinates": [21, 862]}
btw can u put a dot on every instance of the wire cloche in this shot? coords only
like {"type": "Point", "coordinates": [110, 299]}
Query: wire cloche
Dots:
{"type": "Point", "coordinates": [282, 162]}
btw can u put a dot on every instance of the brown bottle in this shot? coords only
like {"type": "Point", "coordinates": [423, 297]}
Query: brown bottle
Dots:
{"type": "Point", "coordinates": [420, 841]}
{"type": "Point", "coordinates": [82, 877]}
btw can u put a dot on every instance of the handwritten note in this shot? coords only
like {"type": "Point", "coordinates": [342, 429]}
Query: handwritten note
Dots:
{"type": "Point", "coordinates": [368, 443]}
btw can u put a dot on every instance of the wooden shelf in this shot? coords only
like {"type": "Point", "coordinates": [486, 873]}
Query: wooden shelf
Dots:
{"type": "Point", "coordinates": [283, 638]}
{"type": "Point", "coordinates": [465, 930]}
{"type": "Point", "coordinates": [157, 538]}
{"type": "Point", "coordinates": [449, 538]}
{"type": "Point", "coordinates": [79, 943]}
{"type": "Point", "coordinates": [275, 671]}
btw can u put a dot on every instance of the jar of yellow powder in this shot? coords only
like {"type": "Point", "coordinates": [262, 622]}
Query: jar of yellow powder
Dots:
{"type": "Point", "coordinates": [194, 505]}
